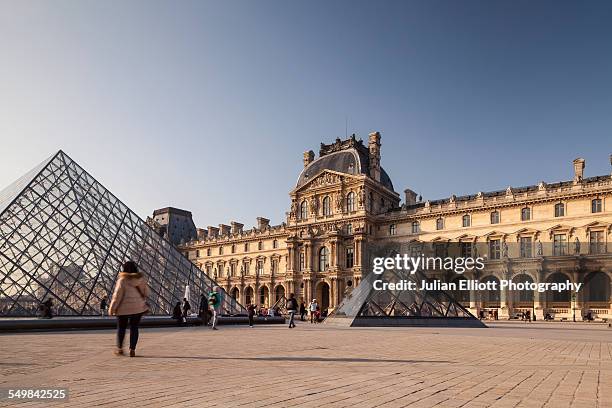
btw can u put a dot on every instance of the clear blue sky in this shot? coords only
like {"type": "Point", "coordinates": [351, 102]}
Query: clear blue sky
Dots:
{"type": "Point", "coordinates": [208, 106]}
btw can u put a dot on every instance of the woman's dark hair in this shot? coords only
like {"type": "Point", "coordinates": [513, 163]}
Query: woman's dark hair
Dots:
{"type": "Point", "coordinates": [130, 267]}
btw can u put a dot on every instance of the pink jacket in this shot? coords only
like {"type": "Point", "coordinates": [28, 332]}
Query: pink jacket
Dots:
{"type": "Point", "coordinates": [131, 291]}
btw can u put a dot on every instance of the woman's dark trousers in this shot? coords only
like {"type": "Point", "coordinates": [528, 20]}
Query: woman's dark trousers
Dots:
{"type": "Point", "coordinates": [122, 323]}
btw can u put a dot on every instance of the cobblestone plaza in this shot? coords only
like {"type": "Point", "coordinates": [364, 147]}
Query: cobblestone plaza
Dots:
{"type": "Point", "coordinates": [510, 364]}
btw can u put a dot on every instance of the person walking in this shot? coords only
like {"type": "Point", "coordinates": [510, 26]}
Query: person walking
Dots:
{"type": "Point", "coordinates": [214, 300]}
{"type": "Point", "coordinates": [103, 306]}
{"type": "Point", "coordinates": [129, 303]}
{"type": "Point", "coordinates": [203, 309]}
{"type": "Point", "coordinates": [186, 309]}
{"type": "Point", "coordinates": [251, 309]}
{"type": "Point", "coordinates": [177, 314]}
{"type": "Point", "coordinates": [292, 307]}
{"type": "Point", "coordinates": [313, 309]}
{"type": "Point", "coordinates": [302, 310]}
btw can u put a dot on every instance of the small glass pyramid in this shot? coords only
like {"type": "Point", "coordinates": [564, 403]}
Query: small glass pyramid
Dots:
{"type": "Point", "coordinates": [366, 306]}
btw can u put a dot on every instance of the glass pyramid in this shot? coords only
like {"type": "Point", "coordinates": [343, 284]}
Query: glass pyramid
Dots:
{"type": "Point", "coordinates": [366, 306]}
{"type": "Point", "coordinates": [63, 236]}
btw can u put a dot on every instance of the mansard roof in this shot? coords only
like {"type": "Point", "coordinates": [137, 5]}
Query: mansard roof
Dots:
{"type": "Point", "coordinates": [349, 156]}
{"type": "Point", "coordinates": [502, 193]}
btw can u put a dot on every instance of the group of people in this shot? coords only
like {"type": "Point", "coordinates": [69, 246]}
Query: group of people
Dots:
{"type": "Point", "coordinates": [129, 304]}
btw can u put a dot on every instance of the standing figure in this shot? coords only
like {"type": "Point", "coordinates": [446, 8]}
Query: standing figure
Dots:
{"type": "Point", "coordinates": [313, 310]}
{"type": "Point", "coordinates": [103, 306]}
{"type": "Point", "coordinates": [292, 307]}
{"type": "Point", "coordinates": [214, 300]}
{"type": "Point", "coordinates": [186, 309]}
{"type": "Point", "coordinates": [129, 303]}
{"type": "Point", "coordinates": [251, 310]}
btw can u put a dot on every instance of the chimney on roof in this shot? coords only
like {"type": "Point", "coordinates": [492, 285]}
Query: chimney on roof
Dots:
{"type": "Point", "coordinates": [308, 157]}
{"type": "Point", "coordinates": [236, 227]}
{"type": "Point", "coordinates": [202, 234]}
{"type": "Point", "coordinates": [410, 197]}
{"type": "Point", "coordinates": [213, 232]}
{"type": "Point", "coordinates": [374, 148]}
{"type": "Point", "coordinates": [262, 223]}
{"type": "Point", "coordinates": [578, 170]}
{"type": "Point", "coordinates": [224, 229]}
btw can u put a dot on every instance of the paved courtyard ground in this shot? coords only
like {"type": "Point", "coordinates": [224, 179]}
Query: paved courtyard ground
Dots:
{"type": "Point", "coordinates": [510, 364]}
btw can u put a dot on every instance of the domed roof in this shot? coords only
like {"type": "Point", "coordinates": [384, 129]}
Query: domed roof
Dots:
{"type": "Point", "coordinates": [348, 161]}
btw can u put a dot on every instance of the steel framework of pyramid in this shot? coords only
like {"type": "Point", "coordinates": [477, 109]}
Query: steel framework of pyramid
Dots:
{"type": "Point", "coordinates": [63, 236]}
{"type": "Point", "coordinates": [367, 307]}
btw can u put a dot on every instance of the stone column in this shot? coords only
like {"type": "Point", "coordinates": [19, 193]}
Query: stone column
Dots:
{"type": "Point", "coordinates": [332, 293]}
{"type": "Point", "coordinates": [307, 256]}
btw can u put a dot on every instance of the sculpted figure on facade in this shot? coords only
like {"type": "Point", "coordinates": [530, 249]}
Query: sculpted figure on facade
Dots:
{"type": "Point", "coordinates": [339, 202]}
{"type": "Point", "coordinates": [362, 196]}
{"type": "Point", "coordinates": [314, 205]}
{"type": "Point", "coordinates": [577, 246]}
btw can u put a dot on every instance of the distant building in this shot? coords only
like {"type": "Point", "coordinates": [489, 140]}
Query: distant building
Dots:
{"type": "Point", "coordinates": [344, 211]}
{"type": "Point", "coordinates": [173, 224]}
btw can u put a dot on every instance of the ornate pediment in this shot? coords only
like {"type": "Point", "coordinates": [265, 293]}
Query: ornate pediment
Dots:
{"type": "Point", "coordinates": [327, 178]}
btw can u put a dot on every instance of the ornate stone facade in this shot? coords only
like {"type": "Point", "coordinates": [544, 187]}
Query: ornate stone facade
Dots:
{"type": "Point", "coordinates": [344, 211]}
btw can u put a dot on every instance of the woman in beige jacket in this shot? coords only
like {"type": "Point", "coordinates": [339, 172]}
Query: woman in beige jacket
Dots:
{"type": "Point", "coordinates": [129, 303]}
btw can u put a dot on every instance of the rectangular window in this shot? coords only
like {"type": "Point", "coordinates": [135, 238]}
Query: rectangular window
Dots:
{"type": "Point", "coordinates": [526, 246]}
{"type": "Point", "coordinates": [466, 220]}
{"type": "Point", "coordinates": [302, 261]}
{"type": "Point", "coordinates": [392, 229]}
{"type": "Point", "coordinates": [415, 227]}
{"type": "Point", "coordinates": [525, 214]}
{"type": "Point", "coordinates": [495, 217]}
{"type": "Point", "coordinates": [440, 250]}
{"type": "Point", "coordinates": [350, 257]}
{"type": "Point", "coordinates": [440, 223]}
{"type": "Point", "coordinates": [494, 249]}
{"type": "Point", "coordinates": [596, 242]}
{"type": "Point", "coordinates": [466, 249]}
{"type": "Point", "coordinates": [260, 267]}
{"type": "Point", "coordinates": [596, 205]}
{"type": "Point", "coordinates": [559, 210]}
{"type": "Point", "coordinates": [559, 244]}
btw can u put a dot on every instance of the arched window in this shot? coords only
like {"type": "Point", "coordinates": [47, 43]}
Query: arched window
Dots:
{"type": "Point", "coordinates": [466, 220]}
{"type": "Point", "coordinates": [559, 210]}
{"type": "Point", "coordinates": [596, 205]}
{"type": "Point", "coordinates": [350, 202]}
{"type": "Point", "coordinates": [349, 229]}
{"type": "Point", "coordinates": [416, 227]}
{"type": "Point", "coordinates": [526, 214]}
{"type": "Point", "coordinates": [220, 250]}
{"type": "Point", "coordinates": [440, 223]}
{"type": "Point", "coordinates": [495, 217]}
{"type": "Point", "coordinates": [304, 210]}
{"type": "Point", "coordinates": [327, 206]}
{"type": "Point", "coordinates": [208, 252]}
{"type": "Point", "coordinates": [323, 259]}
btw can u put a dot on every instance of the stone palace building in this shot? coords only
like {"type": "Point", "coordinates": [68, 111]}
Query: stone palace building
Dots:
{"type": "Point", "coordinates": [344, 210]}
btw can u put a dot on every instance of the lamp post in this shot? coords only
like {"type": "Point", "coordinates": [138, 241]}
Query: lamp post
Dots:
{"type": "Point", "coordinates": [574, 305]}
